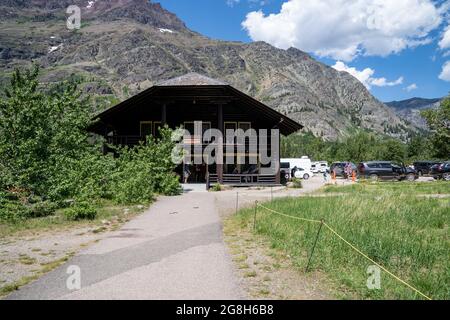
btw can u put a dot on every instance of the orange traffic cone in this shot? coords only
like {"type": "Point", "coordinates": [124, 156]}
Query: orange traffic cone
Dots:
{"type": "Point", "coordinates": [354, 176]}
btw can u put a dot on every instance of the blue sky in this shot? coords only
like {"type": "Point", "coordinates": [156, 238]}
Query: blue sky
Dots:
{"type": "Point", "coordinates": [389, 48]}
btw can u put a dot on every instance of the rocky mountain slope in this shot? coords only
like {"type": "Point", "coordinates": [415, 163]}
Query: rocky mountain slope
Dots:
{"type": "Point", "coordinates": [125, 46]}
{"type": "Point", "coordinates": [410, 109]}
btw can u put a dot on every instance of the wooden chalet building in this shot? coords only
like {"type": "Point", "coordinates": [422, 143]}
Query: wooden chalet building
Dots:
{"type": "Point", "coordinates": [195, 100]}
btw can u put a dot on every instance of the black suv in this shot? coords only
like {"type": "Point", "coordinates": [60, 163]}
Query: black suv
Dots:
{"type": "Point", "coordinates": [424, 167]}
{"type": "Point", "coordinates": [385, 170]}
{"type": "Point", "coordinates": [441, 171]}
{"type": "Point", "coordinates": [339, 169]}
{"type": "Point", "coordinates": [285, 172]}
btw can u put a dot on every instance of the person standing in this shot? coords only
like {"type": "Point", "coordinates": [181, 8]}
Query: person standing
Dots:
{"type": "Point", "coordinates": [186, 173]}
{"type": "Point", "coordinates": [325, 176]}
{"type": "Point", "coordinates": [293, 171]}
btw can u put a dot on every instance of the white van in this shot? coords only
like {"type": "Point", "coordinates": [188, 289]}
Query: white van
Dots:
{"type": "Point", "coordinates": [303, 163]}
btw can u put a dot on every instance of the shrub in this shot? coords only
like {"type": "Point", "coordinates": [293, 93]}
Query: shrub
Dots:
{"type": "Point", "coordinates": [297, 183]}
{"type": "Point", "coordinates": [216, 188]}
{"type": "Point", "coordinates": [81, 211]}
{"type": "Point", "coordinates": [45, 150]}
{"type": "Point", "coordinates": [13, 211]}
{"type": "Point", "coordinates": [145, 170]}
{"type": "Point", "coordinates": [42, 209]}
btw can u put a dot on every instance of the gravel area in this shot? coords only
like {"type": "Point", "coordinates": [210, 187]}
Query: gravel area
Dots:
{"type": "Point", "coordinates": [27, 256]}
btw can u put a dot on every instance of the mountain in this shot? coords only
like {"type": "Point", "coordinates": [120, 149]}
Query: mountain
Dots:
{"type": "Point", "coordinates": [125, 46]}
{"type": "Point", "coordinates": [410, 109]}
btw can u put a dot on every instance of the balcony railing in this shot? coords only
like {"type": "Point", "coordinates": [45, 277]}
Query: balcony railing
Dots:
{"type": "Point", "coordinates": [129, 140]}
{"type": "Point", "coordinates": [242, 180]}
{"type": "Point", "coordinates": [124, 140]}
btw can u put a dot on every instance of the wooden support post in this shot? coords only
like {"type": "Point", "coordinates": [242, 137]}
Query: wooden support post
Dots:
{"type": "Point", "coordinates": [219, 160]}
{"type": "Point", "coordinates": [164, 114]}
{"type": "Point", "coordinates": [237, 202]}
{"type": "Point", "coordinates": [278, 171]}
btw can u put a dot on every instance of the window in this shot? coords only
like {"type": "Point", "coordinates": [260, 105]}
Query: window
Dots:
{"type": "Point", "coordinates": [146, 128]}
{"type": "Point", "coordinates": [197, 126]}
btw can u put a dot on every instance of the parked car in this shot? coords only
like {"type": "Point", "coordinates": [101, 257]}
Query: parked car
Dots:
{"type": "Point", "coordinates": [301, 173]}
{"type": "Point", "coordinates": [339, 168]}
{"type": "Point", "coordinates": [386, 170]}
{"type": "Point", "coordinates": [289, 170]}
{"type": "Point", "coordinates": [320, 167]}
{"type": "Point", "coordinates": [424, 167]}
{"type": "Point", "coordinates": [441, 171]}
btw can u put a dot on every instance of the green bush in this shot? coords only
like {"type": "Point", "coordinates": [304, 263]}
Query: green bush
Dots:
{"type": "Point", "coordinates": [145, 170]}
{"type": "Point", "coordinates": [13, 211]}
{"type": "Point", "coordinates": [297, 183]}
{"type": "Point", "coordinates": [17, 207]}
{"type": "Point", "coordinates": [42, 209]}
{"type": "Point", "coordinates": [45, 149]}
{"type": "Point", "coordinates": [216, 188]}
{"type": "Point", "coordinates": [81, 211]}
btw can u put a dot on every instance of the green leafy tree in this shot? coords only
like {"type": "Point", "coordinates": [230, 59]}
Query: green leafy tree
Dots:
{"type": "Point", "coordinates": [392, 150]}
{"type": "Point", "coordinates": [419, 148]}
{"type": "Point", "coordinates": [40, 131]}
{"type": "Point", "coordinates": [439, 122]}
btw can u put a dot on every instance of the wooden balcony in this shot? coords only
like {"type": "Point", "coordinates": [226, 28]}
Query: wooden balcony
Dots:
{"type": "Point", "coordinates": [242, 180]}
{"type": "Point", "coordinates": [123, 141]}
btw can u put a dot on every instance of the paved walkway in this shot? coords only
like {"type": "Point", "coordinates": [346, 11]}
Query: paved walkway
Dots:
{"type": "Point", "coordinates": [173, 251]}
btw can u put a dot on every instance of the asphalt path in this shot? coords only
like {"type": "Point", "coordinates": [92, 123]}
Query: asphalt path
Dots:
{"type": "Point", "coordinates": [173, 251]}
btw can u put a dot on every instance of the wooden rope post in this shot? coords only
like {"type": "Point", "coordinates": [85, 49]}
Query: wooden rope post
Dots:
{"type": "Point", "coordinates": [237, 202]}
{"type": "Point", "coordinates": [314, 246]}
{"type": "Point", "coordinates": [254, 217]}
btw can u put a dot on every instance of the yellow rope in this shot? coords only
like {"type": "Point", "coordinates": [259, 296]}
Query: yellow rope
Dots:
{"type": "Point", "coordinates": [288, 216]}
{"type": "Point", "coordinates": [351, 246]}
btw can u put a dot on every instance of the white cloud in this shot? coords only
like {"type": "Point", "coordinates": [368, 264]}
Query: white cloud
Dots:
{"type": "Point", "coordinates": [366, 76]}
{"type": "Point", "coordinates": [344, 29]}
{"type": "Point", "coordinates": [445, 74]}
{"type": "Point", "coordinates": [445, 41]}
{"type": "Point", "coordinates": [412, 87]}
{"type": "Point", "coordinates": [382, 82]}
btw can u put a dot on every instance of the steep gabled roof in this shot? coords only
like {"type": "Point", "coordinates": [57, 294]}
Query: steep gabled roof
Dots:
{"type": "Point", "coordinates": [191, 79]}
{"type": "Point", "coordinates": [196, 84]}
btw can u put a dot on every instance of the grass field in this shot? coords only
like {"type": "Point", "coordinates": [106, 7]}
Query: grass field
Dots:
{"type": "Point", "coordinates": [391, 222]}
